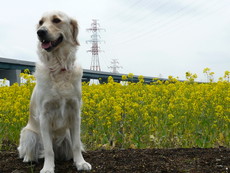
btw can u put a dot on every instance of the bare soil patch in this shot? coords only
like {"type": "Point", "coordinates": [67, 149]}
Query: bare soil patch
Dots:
{"type": "Point", "coordinates": [193, 160]}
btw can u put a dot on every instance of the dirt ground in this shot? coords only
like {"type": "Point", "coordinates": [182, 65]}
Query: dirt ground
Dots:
{"type": "Point", "coordinates": [193, 160]}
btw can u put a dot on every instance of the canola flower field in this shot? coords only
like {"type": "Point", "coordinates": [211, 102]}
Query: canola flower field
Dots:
{"type": "Point", "coordinates": [136, 115]}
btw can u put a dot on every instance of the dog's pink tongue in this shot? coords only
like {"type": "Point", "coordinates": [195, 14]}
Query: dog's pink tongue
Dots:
{"type": "Point", "coordinates": [46, 45]}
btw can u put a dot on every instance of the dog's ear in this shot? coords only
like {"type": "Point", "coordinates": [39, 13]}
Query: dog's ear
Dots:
{"type": "Point", "coordinates": [74, 31]}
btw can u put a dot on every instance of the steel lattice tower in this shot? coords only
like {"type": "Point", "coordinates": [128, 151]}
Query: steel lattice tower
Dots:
{"type": "Point", "coordinates": [115, 66]}
{"type": "Point", "coordinates": [95, 49]}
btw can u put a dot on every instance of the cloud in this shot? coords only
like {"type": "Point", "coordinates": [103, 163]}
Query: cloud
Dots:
{"type": "Point", "coordinates": [148, 37]}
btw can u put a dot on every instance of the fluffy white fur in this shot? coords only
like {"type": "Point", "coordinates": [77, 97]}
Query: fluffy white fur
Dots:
{"type": "Point", "coordinates": [53, 129]}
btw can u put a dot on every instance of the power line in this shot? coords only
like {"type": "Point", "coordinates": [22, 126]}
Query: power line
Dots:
{"type": "Point", "coordinates": [194, 17]}
{"type": "Point", "coordinates": [157, 26]}
{"type": "Point", "coordinates": [138, 20]}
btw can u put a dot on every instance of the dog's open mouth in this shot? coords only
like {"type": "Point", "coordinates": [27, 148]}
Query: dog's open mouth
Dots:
{"type": "Point", "coordinates": [49, 45]}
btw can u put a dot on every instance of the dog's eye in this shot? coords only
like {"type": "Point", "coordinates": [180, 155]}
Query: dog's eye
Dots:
{"type": "Point", "coordinates": [56, 20]}
{"type": "Point", "coordinates": [41, 22]}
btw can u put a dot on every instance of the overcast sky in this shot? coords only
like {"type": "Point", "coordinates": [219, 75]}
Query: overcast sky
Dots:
{"type": "Point", "coordinates": [148, 37]}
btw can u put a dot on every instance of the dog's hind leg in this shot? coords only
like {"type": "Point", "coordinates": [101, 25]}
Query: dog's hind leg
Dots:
{"type": "Point", "coordinates": [30, 147]}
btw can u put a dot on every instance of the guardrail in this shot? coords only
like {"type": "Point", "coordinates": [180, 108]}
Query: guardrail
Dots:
{"type": "Point", "coordinates": [11, 68]}
{"type": "Point", "coordinates": [117, 77]}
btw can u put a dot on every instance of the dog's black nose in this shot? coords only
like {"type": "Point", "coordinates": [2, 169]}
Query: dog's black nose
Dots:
{"type": "Point", "coordinates": [42, 33]}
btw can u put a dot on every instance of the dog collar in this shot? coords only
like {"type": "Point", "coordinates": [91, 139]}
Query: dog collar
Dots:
{"type": "Point", "coordinates": [63, 69]}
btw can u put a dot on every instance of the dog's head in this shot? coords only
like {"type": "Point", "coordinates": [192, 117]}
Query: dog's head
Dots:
{"type": "Point", "coordinates": [56, 29]}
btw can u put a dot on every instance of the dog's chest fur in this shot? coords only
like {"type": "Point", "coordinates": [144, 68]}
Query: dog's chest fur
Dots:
{"type": "Point", "coordinates": [62, 112]}
{"type": "Point", "coordinates": [61, 94]}
{"type": "Point", "coordinates": [61, 84]}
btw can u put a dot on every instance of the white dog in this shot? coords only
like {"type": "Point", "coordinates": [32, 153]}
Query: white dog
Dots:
{"type": "Point", "coordinates": [53, 130]}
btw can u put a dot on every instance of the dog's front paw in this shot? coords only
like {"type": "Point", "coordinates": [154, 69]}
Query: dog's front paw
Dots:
{"type": "Point", "coordinates": [45, 170]}
{"type": "Point", "coordinates": [84, 166]}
